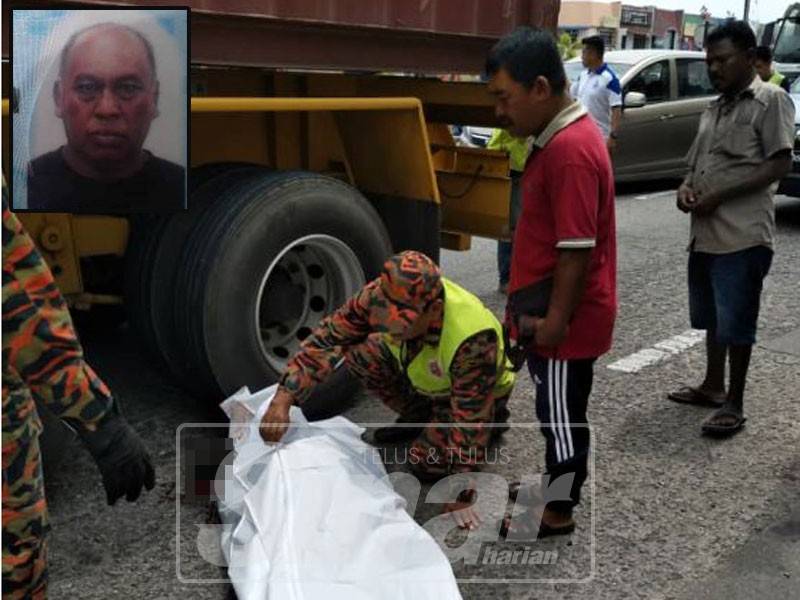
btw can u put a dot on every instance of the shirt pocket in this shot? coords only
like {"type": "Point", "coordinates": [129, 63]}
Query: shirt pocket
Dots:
{"type": "Point", "coordinates": [741, 141]}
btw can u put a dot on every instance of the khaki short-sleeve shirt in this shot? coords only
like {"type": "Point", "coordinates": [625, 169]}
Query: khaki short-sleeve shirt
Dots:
{"type": "Point", "coordinates": [734, 138]}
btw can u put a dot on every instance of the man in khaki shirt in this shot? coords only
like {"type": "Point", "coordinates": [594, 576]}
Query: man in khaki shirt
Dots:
{"type": "Point", "coordinates": [742, 150]}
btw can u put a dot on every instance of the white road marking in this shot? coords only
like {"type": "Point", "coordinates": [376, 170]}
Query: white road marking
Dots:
{"type": "Point", "coordinates": [664, 349]}
{"type": "Point", "coordinates": [655, 195]}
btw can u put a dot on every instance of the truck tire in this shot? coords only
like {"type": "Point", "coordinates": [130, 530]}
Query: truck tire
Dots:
{"type": "Point", "coordinates": [272, 255]}
{"type": "Point", "coordinates": [206, 183]}
{"type": "Point", "coordinates": [151, 258]}
{"type": "Point", "coordinates": [142, 245]}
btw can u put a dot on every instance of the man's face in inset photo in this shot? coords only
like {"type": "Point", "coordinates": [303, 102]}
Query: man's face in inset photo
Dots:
{"type": "Point", "coordinates": [106, 95]}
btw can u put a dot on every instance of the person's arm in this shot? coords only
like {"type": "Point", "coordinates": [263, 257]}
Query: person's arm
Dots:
{"type": "Point", "coordinates": [616, 117]}
{"type": "Point", "coordinates": [776, 130]}
{"type": "Point", "coordinates": [771, 170]}
{"type": "Point", "coordinates": [317, 358]}
{"type": "Point", "coordinates": [685, 196]}
{"type": "Point", "coordinates": [473, 373]}
{"type": "Point", "coordinates": [614, 90]}
{"type": "Point", "coordinates": [39, 340]}
{"type": "Point", "coordinates": [569, 284]}
{"type": "Point", "coordinates": [575, 87]}
{"type": "Point", "coordinates": [321, 352]}
{"type": "Point", "coordinates": [41, 347]}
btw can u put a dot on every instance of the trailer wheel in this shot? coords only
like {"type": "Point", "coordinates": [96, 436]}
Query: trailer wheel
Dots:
{"type": "Point", "coordinates": [151, 263]}
{"type": "Point", "coordinates": [274, 254]}
{"type": "Point", "coordinates": [206, 183]}
{"type": "Point", "coordinates": [144, 240]}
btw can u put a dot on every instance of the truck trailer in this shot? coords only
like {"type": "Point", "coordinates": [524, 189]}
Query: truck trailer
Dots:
{"type": "Point", "coordinates": [319, 145]}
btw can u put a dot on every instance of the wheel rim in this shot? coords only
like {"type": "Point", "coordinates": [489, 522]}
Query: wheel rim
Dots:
{"type": "Point", "coordinates": [308, 279]}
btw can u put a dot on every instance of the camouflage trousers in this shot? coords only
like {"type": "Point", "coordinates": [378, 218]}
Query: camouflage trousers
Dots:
{"type": "Point", "coordinates": [25, 523]}
{"type": "Point", "coordinates": [431, 454]}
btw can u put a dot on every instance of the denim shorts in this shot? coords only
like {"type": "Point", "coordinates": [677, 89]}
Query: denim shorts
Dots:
{"type": "Point", "coordinates": [725, 293]}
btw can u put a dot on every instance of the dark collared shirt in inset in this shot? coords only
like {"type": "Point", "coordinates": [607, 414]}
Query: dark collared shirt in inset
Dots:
{"type": "Point", "coordinates": [52, 186]}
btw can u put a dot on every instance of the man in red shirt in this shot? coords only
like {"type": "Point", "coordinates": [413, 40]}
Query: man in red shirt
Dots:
{"type": "Point", "coordinates": [564, 259]}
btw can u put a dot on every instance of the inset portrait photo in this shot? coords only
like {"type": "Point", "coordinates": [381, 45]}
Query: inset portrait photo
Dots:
{"type": "Point", "coordinates": [100, 110]}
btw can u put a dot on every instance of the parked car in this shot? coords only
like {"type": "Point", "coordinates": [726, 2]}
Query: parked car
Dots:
{"type": "Point", "coordinates": [786, 48]}
{"type": "Point", "coordinates": [664, 94]}
{"type": "Point", "coordinates": [472, 136]}
{"type": "Point", "coordinates": [790, 185]}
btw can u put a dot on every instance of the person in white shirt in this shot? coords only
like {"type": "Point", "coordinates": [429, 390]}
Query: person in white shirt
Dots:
{"type": "Point", "coordinates": [599, 90]}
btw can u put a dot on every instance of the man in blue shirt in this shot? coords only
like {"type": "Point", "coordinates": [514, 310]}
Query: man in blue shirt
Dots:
{"type": "Point", "coordinates": [599, 90]}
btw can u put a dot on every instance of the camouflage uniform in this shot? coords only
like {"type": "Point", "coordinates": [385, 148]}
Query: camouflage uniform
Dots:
{"type": "Point", "coordinates": [356, 331]}
{"type": "Point", "coordinates": [42, 359]}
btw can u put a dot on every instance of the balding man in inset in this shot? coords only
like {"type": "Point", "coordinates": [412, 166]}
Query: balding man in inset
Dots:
{"type": "Point", "coordinates": [107, 96]}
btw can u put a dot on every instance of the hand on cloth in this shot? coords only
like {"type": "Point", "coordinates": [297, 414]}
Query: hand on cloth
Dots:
{"type": "Point", "coordinates": [275, 421]}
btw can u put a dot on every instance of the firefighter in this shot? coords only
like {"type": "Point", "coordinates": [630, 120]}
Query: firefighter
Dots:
{"type": "Point", "coordinates": [429, 350]}
{"type": "Point", "coordinates": [43, 360]}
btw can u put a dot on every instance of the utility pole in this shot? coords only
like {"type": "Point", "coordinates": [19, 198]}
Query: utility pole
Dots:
{"type": "Point", "coordinates": [746, 16]}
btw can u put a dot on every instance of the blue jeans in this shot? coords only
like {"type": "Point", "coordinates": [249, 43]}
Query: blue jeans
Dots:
{"type": "Point", "coordinates": [505, 249]}
{"type": "Point", "coordinates": [725, 293]}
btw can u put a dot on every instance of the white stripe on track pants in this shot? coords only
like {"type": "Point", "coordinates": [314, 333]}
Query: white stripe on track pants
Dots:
{"type": "Point", "coordinates": [562, 396]}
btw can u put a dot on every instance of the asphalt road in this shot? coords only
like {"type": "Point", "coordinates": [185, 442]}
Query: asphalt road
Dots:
{"type": "Point", "coordinates": [668, 514]}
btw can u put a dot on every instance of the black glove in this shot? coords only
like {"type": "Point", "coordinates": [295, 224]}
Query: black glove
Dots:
{"type": "Point", "coordinates": [121, 457]}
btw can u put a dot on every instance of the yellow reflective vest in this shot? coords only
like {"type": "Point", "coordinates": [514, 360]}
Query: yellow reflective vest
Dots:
{"type": "Point", "coordinates": [777, 79]}
{"type": "Point", "coordinates": [464, 316]}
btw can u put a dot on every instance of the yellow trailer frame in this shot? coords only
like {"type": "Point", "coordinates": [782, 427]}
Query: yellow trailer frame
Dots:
{"type": "Point", "coordinates": [380, 145]}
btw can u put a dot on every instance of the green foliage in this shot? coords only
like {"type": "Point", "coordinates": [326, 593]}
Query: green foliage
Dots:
{"type": "Point", "coordinates": [568, 47]}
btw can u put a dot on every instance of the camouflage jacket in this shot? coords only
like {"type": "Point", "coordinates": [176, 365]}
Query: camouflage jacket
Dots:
{"type": "Point", "coordinates": [42, 357]}
{"type": "Point", "coordinates": [473, 371]}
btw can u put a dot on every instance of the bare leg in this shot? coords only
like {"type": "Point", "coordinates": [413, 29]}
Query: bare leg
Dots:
{"type": "Point", "coordinates": [714, 383]}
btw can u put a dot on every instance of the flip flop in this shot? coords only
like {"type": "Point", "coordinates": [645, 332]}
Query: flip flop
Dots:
{"type": "Point", "coordinates": [710, 428]}
{"type": "Point", "coordinates": [528, 526]}
{"type": "Point", "coordinates": [689, 395]}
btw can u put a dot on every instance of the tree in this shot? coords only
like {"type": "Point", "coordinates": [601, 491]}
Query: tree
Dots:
{"type": "Point", "coordinates": [568, 47]}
